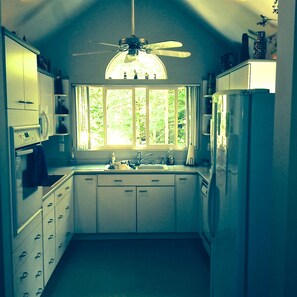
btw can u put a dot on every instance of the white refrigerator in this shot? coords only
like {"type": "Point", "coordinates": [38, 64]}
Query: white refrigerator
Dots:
{"type": "Point", "coordinates": [240, 189]}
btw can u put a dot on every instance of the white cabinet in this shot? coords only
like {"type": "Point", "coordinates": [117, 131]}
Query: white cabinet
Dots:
{"type": "Point", "coordinates": [252, 74]}
{"type": "Point", "coordinates": [28, 259]}
{"type": "Point", "coordinates": [155, 209]}
{"type": "Point", "coordinates": [116, 209]}
{"type": "Point", "coordinates": [85, 203]}
{"type": "Point", "coordinates": [64, 216]}
{"type": "Point", "coordinates": [21, 76]}
{"type": "Point", "coordinates": [46, 104]}
{"type": "Point", "coordinates": [187, 208]}
{"type": "Point", "coordinates": [49, 237]}
{"type": "Point", "coordinates": [62, 110]}
{"type": "Point", "coordinates": [132, 202]}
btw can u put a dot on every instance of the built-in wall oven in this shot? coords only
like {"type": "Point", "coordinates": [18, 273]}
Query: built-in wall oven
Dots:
{"type": "Point", "coordinates": [26, 170]}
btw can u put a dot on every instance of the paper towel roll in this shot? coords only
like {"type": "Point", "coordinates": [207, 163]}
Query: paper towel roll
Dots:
{"type": "Point", "coordinates": [191, 155]}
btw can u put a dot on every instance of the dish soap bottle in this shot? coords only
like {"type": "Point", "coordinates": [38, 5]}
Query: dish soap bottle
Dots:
{"type": "Point", "coordinates": [113, 157]}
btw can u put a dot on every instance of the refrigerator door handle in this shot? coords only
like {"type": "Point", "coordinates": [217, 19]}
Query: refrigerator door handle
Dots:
{"type": "Point", "coordinates": [210, 206]}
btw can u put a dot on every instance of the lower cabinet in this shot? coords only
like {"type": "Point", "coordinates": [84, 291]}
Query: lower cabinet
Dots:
{"type": "Point", "coordinates": [85, 187]}
{"type": "Point", "coordinates": [135, 203]}
{"type": "Point", "coordinates": [116, 209]}
{"type": "Point", "coordinates": [155, 209]}
{"type": "Point", "coordinates": [187, 207]}
{"type": "Point", "coordinates": [28, 259]}
{"type": "Point", "coordinates": [58, 226]}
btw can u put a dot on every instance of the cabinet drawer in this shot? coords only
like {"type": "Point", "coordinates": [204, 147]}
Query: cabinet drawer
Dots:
{"type": "Point", "coordinates": [26, 250]}
{"type": "Point", "coordinates": [64, 189]}
{"type": "Point", "coordinates": [136, 180]}
{"type": "Point", "coordinates": [48, 205]}
{"type": "Point", "coordinates": [29, 282]}
{"type": "Point", "coordinates": [49, 261]}
{"type": "Point", "coordinates": [26, 232]}
{"type": "Point", "coordinates": [48, 222]}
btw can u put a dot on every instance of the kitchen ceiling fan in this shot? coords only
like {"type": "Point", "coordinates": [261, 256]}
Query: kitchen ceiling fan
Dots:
{"type": "Point", "coordinates": [133, 44]}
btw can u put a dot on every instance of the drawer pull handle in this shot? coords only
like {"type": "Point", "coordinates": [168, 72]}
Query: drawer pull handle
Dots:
{"type": "Point", "coordinates": [155, 180]}
{"type": "Point", "coordinates": [183, 178]}
{"type": "Point", "coordinates": [39, 273]}
{"type": "Point", "coordinates": [39, 292]}
{"type": "Point", "coordinates": [23, 254]}
{"type": "Point", "coordinates": [128, 191]}
{"type": "Point", "coordinates": [51, 261]}
{"type": "Point", "coordinates": [60, 195]}
{"type": "Point", "coordinates": [50, 221]}
{"type": "Point", "coordinates": [51, 237]}
{"type": "Point", "coordinates": [24, 275]}
{"type": "Point", "coordinates": [117, 180]}
{"type": "Point", "coordinates": [89, 179]}
{"type": "Point", "coordinates": [142, 191]}
{"type": "Point", "coordinates": [38, 255]}
{"type": "Point", "coordinates": [38, 236]}
{"type": "Point", "coordinates": [26, 294]}
{"type": "Point", "coordinates": [67, 188]}
{"type": "Point", "coordinates": [60, 245]}
{"type": "Point", "coordinates": [67, 207]}
{"type": "Point", "coordinates": [50, 204]}
{"type": "Point", "coordinates": [60, 217]}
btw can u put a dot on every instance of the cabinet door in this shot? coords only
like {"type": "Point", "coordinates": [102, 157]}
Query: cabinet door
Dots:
{"type": "Point", "coordinates": [223, 83]}
{"type": "Point", "coordinates": [85, 203]}
{"type": "Point", "coordinates": [187, 211]}
{"type": "Point", "coordinates": [240, 78]}
{"type": "Point", "coordinates": [155, 209]}
{"type": "Point", "coordinates": [30, 79]}
{"type": "Point", "coordinates": [116, 209]}
{"type": "Point", "coordinates": [14, 74]}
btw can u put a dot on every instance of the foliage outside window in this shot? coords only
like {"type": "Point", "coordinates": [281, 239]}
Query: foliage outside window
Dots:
{"type": "Point", "coordinates": [131, 117]}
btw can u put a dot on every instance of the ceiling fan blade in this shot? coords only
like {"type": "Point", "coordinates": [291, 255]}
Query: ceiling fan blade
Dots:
{"type": "Point", "coordinates": [91, 53]}
{"type": "Point", "coordinates": [176, 54]}
{"type": "Point", "coordinates": [104, 43]}
{"type": "Point", "coordinates": [164, 44]}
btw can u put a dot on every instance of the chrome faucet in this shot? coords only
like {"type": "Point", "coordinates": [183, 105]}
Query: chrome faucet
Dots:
{"type": "Point", "coordinates": [140, 159]}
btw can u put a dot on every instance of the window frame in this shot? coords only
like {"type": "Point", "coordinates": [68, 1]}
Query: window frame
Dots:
{"type": "Point", "coordinates": [134, 146]}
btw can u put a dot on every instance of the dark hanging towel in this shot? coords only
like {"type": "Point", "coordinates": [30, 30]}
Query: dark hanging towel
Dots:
{"type": "Point", "coordinates": [37, 166]}
{"type": "Point", "coordinates": [58, 84]}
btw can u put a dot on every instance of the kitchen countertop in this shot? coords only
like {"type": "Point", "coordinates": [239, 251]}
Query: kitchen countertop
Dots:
{"type": "Point", "coordinates": [100, 169]}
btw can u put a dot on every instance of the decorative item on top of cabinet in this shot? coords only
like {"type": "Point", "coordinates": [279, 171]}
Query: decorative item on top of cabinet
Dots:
{"type": "Point", "coordinates": [62, 108]}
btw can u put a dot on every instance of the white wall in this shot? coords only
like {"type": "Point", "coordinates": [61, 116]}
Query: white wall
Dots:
{"type": "Point", "coordinates": [284, 248]}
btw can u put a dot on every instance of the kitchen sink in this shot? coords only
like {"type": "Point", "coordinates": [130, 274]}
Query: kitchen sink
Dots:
{"type": "Point", "coordinates": [152, 167]}
{"type": "Point", "coordinates": [51, 182]}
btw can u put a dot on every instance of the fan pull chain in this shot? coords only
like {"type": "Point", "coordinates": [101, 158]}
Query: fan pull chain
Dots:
{"type": "Point", "coordinates": [133, 19]}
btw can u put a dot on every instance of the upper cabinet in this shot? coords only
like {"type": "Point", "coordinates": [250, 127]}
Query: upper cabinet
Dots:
{"type": "Point", "coordinates": [21, 75]}
{"type": "Point", "coordinates": [251, 74]}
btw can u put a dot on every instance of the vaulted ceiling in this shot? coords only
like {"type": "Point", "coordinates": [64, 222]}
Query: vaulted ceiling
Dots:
{"type": "Point", "coordinates": [38, 19]}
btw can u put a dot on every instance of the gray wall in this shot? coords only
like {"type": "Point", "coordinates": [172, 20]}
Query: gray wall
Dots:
{"type": "Point", "coordinates": [156, 20]}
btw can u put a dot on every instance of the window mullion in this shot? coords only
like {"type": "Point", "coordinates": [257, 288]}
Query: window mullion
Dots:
{"type": "Point", "coordinates": [133, 117]}
{"type": "Point", "coordinates": [104, 115]}
{"type": "Point", "coordinates": [176, 117]}
{"type": "Point", "coordinates": [147, 132]}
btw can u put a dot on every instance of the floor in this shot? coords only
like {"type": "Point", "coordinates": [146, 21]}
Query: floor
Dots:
{"type": "Point", "coordinates": [132, 268]}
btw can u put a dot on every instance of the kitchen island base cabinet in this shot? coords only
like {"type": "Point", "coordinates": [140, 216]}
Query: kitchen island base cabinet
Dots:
{"type": "Point", "coordinates": [155, 209]}
{"type": "Point", "coordinates": [85, 203]}
{"type": "Point", "coordinates": [116, 209]}
{"type": "Point", "coordinates": [187, 207]}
